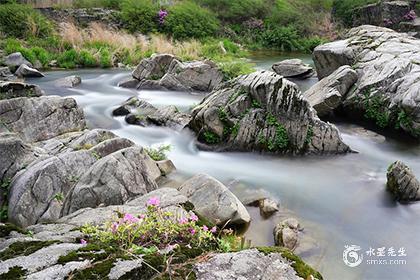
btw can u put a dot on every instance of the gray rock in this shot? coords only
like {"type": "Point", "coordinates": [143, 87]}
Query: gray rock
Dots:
{"type": "Point", "coordinates": [286, 234]}
{"type": "Point", "coordinates": [166, 72]}
{"type": "Point", "coordinates": [268, 207]}
{"type": "Point", "coordinates": [59, 232]}
{"type": "Point", "coordinates": [386, 92]}
{"type": "Point", "coordinates": [113, 180]}
{"type": "Point", "coordinates": [293, 68]}
{"type": "Point", "coordinates": [48, 116]}
{"type": "Point", "coordinates": [169, 116]}
{"type": "Point", "coordinates": [59, 272]}
{"type": "Point", "coordinates": [129, 83]}
{"type": "Point", "coordinates": [153, 68]}
{"type": "Point", "coordinates": [24, 71]}
{"type": "Point", "coordinates": [42, 258]}
{"type": "Point", "coordinates": [402, 182]}
{"type": "Point", "coordinates": [34, 192]}
{"type": "Point", "coordinates": [69, 82]}
{"type": "Point", "coordinates": [166, 167]}
{"type": "Point", "coordinates": [263, 111]}
{"type": "Point", "coordinates": [120, 268]}
{"type": "Point", "coordinates": [214, 201]}
{"type": "Point", "coordinates": [10, 90]}
{"type": "Point", "coordinates": [329, 93]}
{"type": "Point", "coordinates": [170, 200]}
{"type": "Point", "coordinates": [6, 75]}
{"type": "Point", "coordinates": [14, 60]}
{"type": "Point", "coordinates": [382, 13]}
{"type": "Point", "coordinates": [246, 265]}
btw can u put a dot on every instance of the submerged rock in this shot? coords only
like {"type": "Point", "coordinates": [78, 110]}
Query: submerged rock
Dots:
{"type": "Point", "coordinates": [263, 111]}
{"type": "Point", "coordinates": [214, 201]}
{"type": "Point", "coordinates": [386, 92]}
{"type": "Point", "coordinates": [293, 68]}
{"type": "Point", "coordinates": [286, 234]}
{"type": "Point", "coordinates": [402, 182]}
{"type": "Point", "coordinates": [167, 72]}
{"type": "Point", "coordinates": [69, 82]}
{"type": "Point", "coordinates": [24, 71]}
{"type": "Point", "coordinates": [329, 93]}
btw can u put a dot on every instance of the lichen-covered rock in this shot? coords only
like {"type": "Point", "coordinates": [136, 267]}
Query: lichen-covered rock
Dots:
{"type": "Point", "coordinates": [329, 93]}
{"type": "Point", "coordinates": [286, 234]}
{"type": "Point", "coordinates": [293, 68]}
{"type": "Point", "coordinates": [214, 201]}
{"type": "Point", "coordinates": [113, 180]}
{"type": "Point", "coordinates": [10, 90]}
{"type": "Point", "coordinates": [402, 182]}
{"type": "Point", "coordinates": [24, 71]}
{"type": "Point", "coordinates": [248, 264]}
{"type": "Point", "coordinates": [387, 91]}
{"type": "Point", "coordinates": [167, 72]}
{"type": "Point", "coordinates": [69, 82]}
{"type": "Point", "coordinates": [37, 119]}
{"type": "Point", "coordinates": [263, 111]}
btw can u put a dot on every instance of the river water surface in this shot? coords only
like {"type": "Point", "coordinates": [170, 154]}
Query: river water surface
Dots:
{"type": "Point", "coordinates": [340, 200]}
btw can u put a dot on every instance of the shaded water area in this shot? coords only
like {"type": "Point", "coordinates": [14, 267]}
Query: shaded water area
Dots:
{"type": "Point", "coordinates": [340, 200]}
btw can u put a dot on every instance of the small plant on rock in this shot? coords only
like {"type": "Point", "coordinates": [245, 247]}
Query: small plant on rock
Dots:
{"type": "Point", "coordinates": [159, 153]}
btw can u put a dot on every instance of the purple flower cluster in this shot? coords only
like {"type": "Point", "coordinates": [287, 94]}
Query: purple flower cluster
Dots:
{"type": "Point", "coordinates": [411, 15]}
{"type": "Point", "coordinates": [162, 14]}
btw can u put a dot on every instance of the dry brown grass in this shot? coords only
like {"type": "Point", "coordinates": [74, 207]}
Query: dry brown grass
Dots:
{"type": "Point", "coordinates": [120, 40]}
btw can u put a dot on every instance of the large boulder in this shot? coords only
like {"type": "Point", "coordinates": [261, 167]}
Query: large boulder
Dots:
{"type": "Point", "coordinates": [388, 71]}
{"type": "Point", "coordinates": [24, 71]}
{"type": "Point", "coordinates": [6, 75]}
{"type": "Point", "coordinates": [37, 119]}
{"type": "Point", "coordinates": [113, 180]}
{"type": "Point", "coordinates": [329, 93]}
{"type": "Point", "coordinates": [9, 89]}
{"type": "Point", "coordinates": [293, 68]}
{"type": "Point", "coordinates": [167, 72]}
{"type": "Point", "coordinates": [402, 182]}
{"type": "Point", "coordinates": [263, 111]}
{"type": "Point", "coordinates": [14, 60]}
{"type": "Point", "coordinates": [214, 201]}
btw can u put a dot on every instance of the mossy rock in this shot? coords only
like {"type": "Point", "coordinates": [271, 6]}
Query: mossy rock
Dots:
{"type": "Point", "coordinates": [302, 269]}
{"type": "Point", "coordinates": [24, 249]}
{"type": "Point", "coordinates": [15, 272]}
{"type": "Point", "coordinates": [6, 229]}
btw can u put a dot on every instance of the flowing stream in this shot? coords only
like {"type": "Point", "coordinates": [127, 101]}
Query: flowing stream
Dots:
{"type": "Point", "coordinates": [340, 200]}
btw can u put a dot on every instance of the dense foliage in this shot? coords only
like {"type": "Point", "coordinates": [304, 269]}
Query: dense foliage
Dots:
{"type": "Point", "coordinates": [344, 9]}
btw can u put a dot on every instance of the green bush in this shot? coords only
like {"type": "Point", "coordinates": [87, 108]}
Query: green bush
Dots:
{"type": "Point", "coordinates": [236, 10]}
{"type": "Point", "coordinates": [343, 9]}
{"type": "Point", "coordinates": [68, 59]}
{"type": "Point", "coordinates": [232, 69]}
{"type": "Point", "coordinates": [159, 153]}
{"type": "Point", "coordinates": [188, 20]}
{"type": "Point", "coordinates": [41, 55]}
{"type": "Point", "coordinates": [112, 4]}
{"type": "Point", "coordinates": [282, 38]}
{"type": "Point", "coordinates": [22, 21]}
{"type": "Point", "coordinates": [86, 59]}
{"type": "Point", "coordinates": [105, 60]}
{"type": "Point", "coordinates": [139, 15]}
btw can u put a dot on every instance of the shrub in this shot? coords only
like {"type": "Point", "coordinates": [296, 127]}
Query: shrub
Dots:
{"type": "Point", "coordinates": [41, 55]}
{"type": "Point", "coordinates": [105, 60]}
{"type": "Point", "coordinates": [112, 4]}
{"type": "Point", "coordinates": [86, 59]}
{"type": "Point", "coordinates": [188, 20]}
{"type": "Point", "coordinates": [236, 10]}
{"type": "Point", "coordinates": [158, 153]}
{"type": "Point", "coordinates": [68, 59]}
{"type": "Point", "coordinates": [139, 15]}
{"type": "Point", "coordinates": [282, 38]}
{"type": "Point", "coordinates": [344, 9]}
{"type": "Point", "coordinates": [22, 21]}
{"type": "Point", "coordinates": [232, 69]}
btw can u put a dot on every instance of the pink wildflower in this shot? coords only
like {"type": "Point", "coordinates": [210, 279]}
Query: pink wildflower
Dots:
{"type": "Point", "coordinates": [205, 228]}
{"type": "Point", "coordinates": [193, 217]}
{"type": "Point", "coordinates": [213, 230]}
{"type": "Point", "coordinates": [192, 231]}
{"type": "Point", "coordinates": [130, 218]}
{"type": "Point", "coordinates": [114, 227]}
{"type": "Point", "coordinates": [183, 221]}
{"type": "Point", "coordinates": [83, 242]}
{"type": "Point", "coordinates": [153, 201]}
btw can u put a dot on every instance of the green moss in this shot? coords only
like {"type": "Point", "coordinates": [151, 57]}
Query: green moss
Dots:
{"type": "Point", "coordinates": [281, 138]}
{"type": "Point", "coordinates": [15, 272]}
{"type": "Point", "coordinates": [99, 270]}
{"type": "Point", "coordinates": [375, 109]}
{"type": "Point", "coordinates": [24, 249]}
{"type": "Point", "coordinates": [7, 228]}
{"type": "Point", "coordinates": [93, 252]}
{"type": "Point", "coordinates": [309, 135]}
{"type": "Point", "coordinates": [211, 137]}
{"type": "Point", "coordinates": [302, 269]}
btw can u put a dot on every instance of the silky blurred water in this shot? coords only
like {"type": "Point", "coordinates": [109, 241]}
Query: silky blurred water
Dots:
{"type": "Point", "coordinates": [340, 199]}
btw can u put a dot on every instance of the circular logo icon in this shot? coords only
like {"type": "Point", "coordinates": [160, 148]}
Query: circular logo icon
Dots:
{"type": "Point", "coordinates": [351, 255]}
